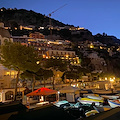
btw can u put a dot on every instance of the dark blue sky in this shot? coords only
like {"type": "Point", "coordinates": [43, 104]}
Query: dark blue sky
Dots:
{"type": "Point", "coordinates": [98, 16]}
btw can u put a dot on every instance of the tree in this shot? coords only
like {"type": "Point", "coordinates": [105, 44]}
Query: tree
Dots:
{"type": "Point", "coordinates": [18, 57]}
{"type": "Point", "coordinates": [44, 74]}
{"type": "Point", "coordinates": [74, 74]}
{"type": "Point", "coordinates": [29, 75]}
{"type": "Point", "coordinates": [54, 65]}
{"type": "Point", "coordinates": [41, 74]}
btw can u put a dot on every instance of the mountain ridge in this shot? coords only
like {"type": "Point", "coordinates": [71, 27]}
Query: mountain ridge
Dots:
{"type": "Point", "coordinates": [16, 17]}
{"type": "Point", "coordinates": [26, 17]}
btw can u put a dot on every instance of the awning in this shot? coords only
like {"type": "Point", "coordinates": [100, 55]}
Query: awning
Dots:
{"type": "Point", "coordinates": [42, 91]}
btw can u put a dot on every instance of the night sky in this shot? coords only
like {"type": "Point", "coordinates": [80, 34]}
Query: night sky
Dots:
{"type": "Point", "coordinates": [98, 16]}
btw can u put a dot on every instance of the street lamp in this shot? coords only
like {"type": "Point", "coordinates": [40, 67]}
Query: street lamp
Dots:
{"type": "Point", "coordinates": [58, 95]}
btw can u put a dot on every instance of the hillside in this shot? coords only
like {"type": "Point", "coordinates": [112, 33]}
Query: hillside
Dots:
{"type": "Point", "coordinates": [16, 17]}
{"type": "Point", "coordinates": [108, 40]}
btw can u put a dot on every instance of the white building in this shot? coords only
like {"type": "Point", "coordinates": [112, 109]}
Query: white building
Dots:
{"type": "Point", "coordinates": [6, 75]}
{"type": "Point", "coordinates": [4, 34]}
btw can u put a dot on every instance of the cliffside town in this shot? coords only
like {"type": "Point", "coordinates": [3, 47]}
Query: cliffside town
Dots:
{"type": "Point", "coordinates": [94, 56]}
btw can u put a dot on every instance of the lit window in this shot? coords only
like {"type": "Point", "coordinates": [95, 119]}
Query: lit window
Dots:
{"type": "Point", "coordinates": [74, 62]}
{"type": "Point", "coordinates": [44, 56]}
{"type": "Point", "coordinates": [101, 47]}
{"type": "Point", "coordinates": [91, 46]}
{"type": "Point", "coordinates": [7, 73]}
{"type": "Point", "coordinates": [66, 56]}
{"type": "Point", "coordinates": [38, 62]}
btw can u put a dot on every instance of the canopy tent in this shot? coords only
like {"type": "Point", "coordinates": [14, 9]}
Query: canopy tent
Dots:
{"type": "Point", "coordinates": [69, 89]}
{"type": "Point", "coordinates": [42, 92]}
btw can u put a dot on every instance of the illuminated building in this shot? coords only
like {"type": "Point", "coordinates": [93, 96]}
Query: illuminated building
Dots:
{"type": "Point", "coordinates": [37, 35]}
{"type": "Point", "coordinates": [62, 54]}
{"type": "Point", "coordinates": [6, 77]}
{"type": "Point", "coordinates": [4, 34]}
{"type": "Point", "coordinates": [27, 27]}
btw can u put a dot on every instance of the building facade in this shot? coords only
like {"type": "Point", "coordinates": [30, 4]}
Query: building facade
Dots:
{"type": "Point", "coordinates": [6, 75]}
{"type": "Point", "coordinates": [37, 35]}
{"type": "Point", "coordinates": [62, 54]}
{"type": "Point", "coordinates": [4, 34]}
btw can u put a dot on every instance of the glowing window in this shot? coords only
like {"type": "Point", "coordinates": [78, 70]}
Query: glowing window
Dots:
{"type": "Point", "coordinates": [7, 73]}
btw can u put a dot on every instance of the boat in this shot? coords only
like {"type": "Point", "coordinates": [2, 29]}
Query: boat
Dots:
{"type": "Point", "coordinates": [59, 103]}
{"type": "Point", "coordinates": [93, 96]}
{"type": "Point", "coordinates": [110, 96]}
{"type": "Point", "coordinates": [91, 112]}
{"type": "Point", "coordinates": [114, 103]}
{"type": "Point", "coordinates": [104, 92]}
{"type": "Point", "coordinates": [82, 110]}
{"type": "Point", "coordinates": [63, 104]}
{"type": "Point", "coordinates": [90, 101]}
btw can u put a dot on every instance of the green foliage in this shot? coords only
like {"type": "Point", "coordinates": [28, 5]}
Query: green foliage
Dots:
{"type": "Point", "coordinates": [72, 75]}
{"type": "Point", "coordinates": [18, 57]}
{"type": "Point", "coordinates": [26, 74]}
{"type": "Point", "coordinates": [39, 75]}
{"type": "Point", "coordinates": [56, 64]}
{"type": "Point", "coordinates": [45, 74]}
{"type": "Point", "coordinates": [75, 72]}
